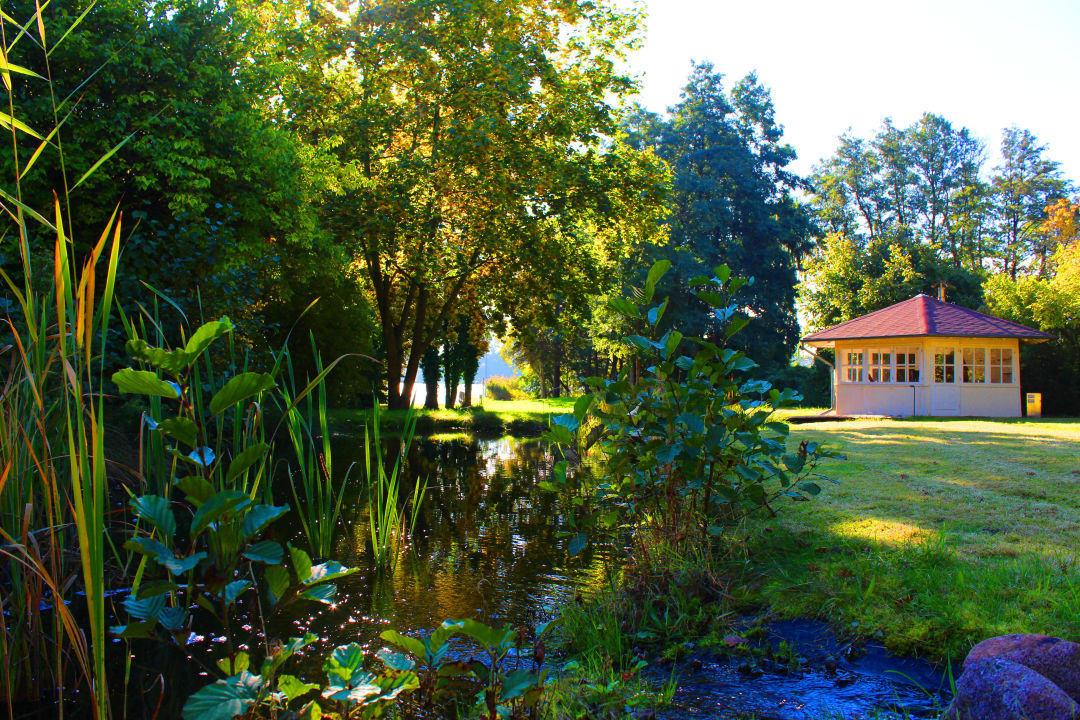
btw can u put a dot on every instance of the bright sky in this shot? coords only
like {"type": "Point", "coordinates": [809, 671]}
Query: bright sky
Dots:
{"type": "Point", "coordinates": [835, 64]}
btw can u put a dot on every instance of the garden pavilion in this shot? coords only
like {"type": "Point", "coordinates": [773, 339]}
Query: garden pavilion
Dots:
{"type": "Point", "coordinates": [925, 356]}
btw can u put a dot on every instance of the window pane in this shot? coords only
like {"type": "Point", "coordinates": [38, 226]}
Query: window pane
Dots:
{"type": "Point", "coordinates": [901, 374]}
{"type": "Point", "coordinates": [950, 374]}
{"type": "Point", "coordinates": [913, 375]}
{"type": "Point", "coordinates": [980, 356]}
{"type": "Point", "coordinates": [939, 373]}
{"type": "Point", "coordinates": [995, 357]}
{"type": "Point", "coordinates": [995, 373]}
{"type": "Point", "coordinates": [1006, 374]}
{"type": "Point", "coordinates": [886, 374]}
{"type": "Point", "coordinates": [1006, 357]}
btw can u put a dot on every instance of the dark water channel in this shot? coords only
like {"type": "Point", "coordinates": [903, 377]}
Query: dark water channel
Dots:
{"type": "Point", "coordinates": [488, 546]}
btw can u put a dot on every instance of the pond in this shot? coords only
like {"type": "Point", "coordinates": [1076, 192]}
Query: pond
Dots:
{"type": "Point", "coordinates": [491, 545]}
{"type": "Point", "coordinates": [487, 544]}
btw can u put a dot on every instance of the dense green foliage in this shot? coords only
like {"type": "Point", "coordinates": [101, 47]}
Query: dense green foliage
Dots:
{"type": "Point", "coordinates": [687, 433]}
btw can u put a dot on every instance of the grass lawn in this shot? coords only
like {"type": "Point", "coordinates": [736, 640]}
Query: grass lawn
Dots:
{"type": "Point", "coordinates": [491, 417]}
{"type": "Point", "coordinates": [939, 534]}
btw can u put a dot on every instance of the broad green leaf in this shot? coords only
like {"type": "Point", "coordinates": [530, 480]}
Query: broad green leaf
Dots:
{"type": "Point", "coordinates": [655, 273]}
{"type": "Point", "coordinates": [258, 518]}
{"type": "Point", "coordinates": [779, 428]}
{"type": "Point", "coordinates": [411, 645]}
{"type": "Point", "coordinates": [301, 563]}
{"type": "Point", "coordinates": [247, 457]}
{"type": "Point", "coordinates": [567, 421]}
{"type": "Point", "coordinates": [577, 544]}
{"type": "Point", "coordinates": [234, 665]}
{"type": "Point", "coordinates": [395, 661]}
{"type": "Point", "coordinates": [144, 382]}
{"type": "Point", "coordinates": [723, 272]}
{"type": "Point", "coordinates": [793, 462]}
{"type": "Point", "coordinates": [736, 324]}
{"type": "Point", "coordinates": [623, 307]}
{"type": "Point", "coordinates": [294, 687]}
{"type": "Point", "coordinates": [656, 312]}
{"type": "Point", "coordinates": [173, 362]}
{"type": "Point", "coordinates": [225, 699]}
{"type": "Point", "coordinates": [163, 555]}
{"type": "Point", "coordinates": [810, 488]}
{"type": "Point", "coordinates": [668, 453]}
{"type": "Point", "coordinates": [581, 406]}
{"type": "Point", "coordinates": [265, 551]}
{"type": "Point", "coordinates": [693, 422]}
{"type": "Point", "coordinates": [156, 587]}
{"type": "Point", "coordinates": [329, 570]}
{"type": "Point", "coordinates": [145, 610]}
{"type": "Point", "coordinates": [196, 488]}
{"type": "Point", "coordinates": [516, 683]}
{"type": "Point", "coordinates": [311, 711]}
{"type": "Point", "coordinates": [134, 630]}
{"type": "Point", "coordinates": [486, 635]}
{"type": "Point", "coordinates": [183, 429]}
{"type": "Point", "coordinates": [345, 664]}
{"type": "Point", "coordinates": [240, 388]}
{"type": "Point", "coordinates": [222, 503]}
{"type": "Point", "coordinates": [233, 590]}
{"type": "Point", "coordinates": [277, 581]}
{"type": "Point", "coordinates": [323, 592]}
{"type": "Point", "coordinates": [206, 334]}
{"type": "Point", "coordinates": [155, 510]}
{"type": "Point", "coordinates": [172, 618]}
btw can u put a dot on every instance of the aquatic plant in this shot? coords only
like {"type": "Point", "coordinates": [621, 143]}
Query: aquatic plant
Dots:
{"type": "Point", "coordinates": [216, 556]}
{"type": "Point", "coordinates": [690, 444]}
{"type": "Point", "coordinates": [312, 479]}
{"type": "Point", "coordinates": [53, 486]}
{"type": "Point", "coordinates": [386, 522]}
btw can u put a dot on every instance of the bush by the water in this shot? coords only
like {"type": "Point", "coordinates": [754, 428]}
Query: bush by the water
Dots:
{"type": "Point", "coordinates": [504, 388]}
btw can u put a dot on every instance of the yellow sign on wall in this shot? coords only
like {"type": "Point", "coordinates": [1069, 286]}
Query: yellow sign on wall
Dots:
{"type": "Point", "coordinates": [1034, 405]}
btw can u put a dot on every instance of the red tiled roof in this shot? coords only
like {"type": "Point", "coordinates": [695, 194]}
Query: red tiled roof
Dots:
{"type": "Point", "coordinates": [922, 315]}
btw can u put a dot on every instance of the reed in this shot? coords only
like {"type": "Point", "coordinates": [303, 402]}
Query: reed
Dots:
{"type": "Point", "coordinates": [386, 521]}
{"type": "Point", "coordinates": [53, 485]}
{"type": "Point", "coordinates": [315, 500]}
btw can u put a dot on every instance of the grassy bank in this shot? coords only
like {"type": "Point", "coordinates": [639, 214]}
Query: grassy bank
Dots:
{"type": "Point", "coordinates": [520, 418]}
{"type": "Point", "coordinates": [940, 533]}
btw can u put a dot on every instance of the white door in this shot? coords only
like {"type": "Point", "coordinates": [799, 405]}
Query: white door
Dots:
{"type": "Point", "coordinates": [944, 382]}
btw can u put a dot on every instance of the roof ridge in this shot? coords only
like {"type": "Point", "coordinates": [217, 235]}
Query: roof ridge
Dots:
{"type": "Point", "coordinates": [867, 315]}
{"type": "Point", "coordinates": [923, 315]}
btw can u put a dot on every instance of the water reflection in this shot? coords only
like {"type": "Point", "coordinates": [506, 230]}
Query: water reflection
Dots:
{"type": "Point", "coordinates": [487, 544]}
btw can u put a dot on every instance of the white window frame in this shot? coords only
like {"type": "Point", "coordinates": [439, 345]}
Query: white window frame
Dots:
{"type": "Point", "coordinates": [847, 368]}
{"type": "Point", "coordinates": [943, 352]}
{"type": "Point", "coordinates": [1000, 367]}
{"type": "Point", "coordinates": [907, 366]}
{"type": "Point", "coordinates": [883, 368]}
{"type": "Point", "coordinates": [978, 376]}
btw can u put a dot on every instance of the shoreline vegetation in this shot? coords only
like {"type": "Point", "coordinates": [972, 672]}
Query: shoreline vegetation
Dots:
{"type": "Point", "coordinates": [489, 418]}
{"type": "Point", "coordinates": [940, 534]}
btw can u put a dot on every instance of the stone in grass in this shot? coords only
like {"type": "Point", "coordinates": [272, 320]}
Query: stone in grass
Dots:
{"type": "Point", "coordinates": [996, 689]}
{"type": "Point", "coordinates": [1055, 659]}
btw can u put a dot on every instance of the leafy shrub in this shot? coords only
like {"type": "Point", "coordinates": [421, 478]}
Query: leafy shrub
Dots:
{"type": "Point", "coordinates": [687, 433]}
{"type": "Point", "coordinates": [504, 388]}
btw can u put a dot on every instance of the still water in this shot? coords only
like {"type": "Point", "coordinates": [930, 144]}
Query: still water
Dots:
{"type": "Point", "coordinates": [487, 544]}
{"type": "Point", "coordinates": [491, 545]}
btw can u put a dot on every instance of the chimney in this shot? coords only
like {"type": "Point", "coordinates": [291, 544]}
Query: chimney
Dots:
{"type": "Point", "coordinates": [941, 290]}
